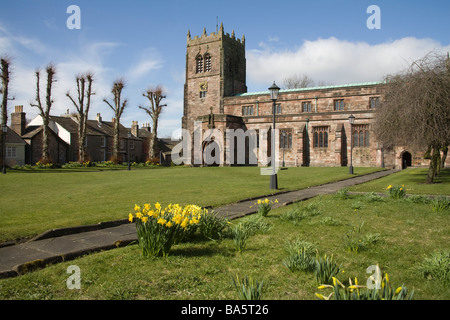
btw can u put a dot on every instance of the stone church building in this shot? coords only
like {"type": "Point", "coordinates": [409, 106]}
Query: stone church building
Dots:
{"type": "Point", "coordinates": [313, 123]}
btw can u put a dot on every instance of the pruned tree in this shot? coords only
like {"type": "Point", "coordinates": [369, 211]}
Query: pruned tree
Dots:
{"type": "Point", "coordinates": [416, 109]}
{"type": "Point", "coordinates": [5, 62]}
{"type": "Point", "coordinates": [44, 110]}
{"type": "Point", "coordinates": [82, 104]}
{"type": "Point", "coordinates": [118, 106]}
{"type": "Point", "coordinates": [155, 95]}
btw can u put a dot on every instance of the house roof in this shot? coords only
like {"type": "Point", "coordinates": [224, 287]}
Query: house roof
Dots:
{"type": "Point", "coordinates": [311, 89]}
{"type": "Point", "coordinates": [13, 137]}
{"type": "Point", "coordinates": [70, 124]}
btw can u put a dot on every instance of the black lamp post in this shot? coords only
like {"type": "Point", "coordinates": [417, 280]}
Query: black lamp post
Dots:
{"type": "Point", "coordinates": [128, 147]}
{"type": "Point", "coordinates": [351, 119]}
{"type": "Point", "coordinates": [274, 91]}
{"type": "Point", "coordinates": [5, 130]}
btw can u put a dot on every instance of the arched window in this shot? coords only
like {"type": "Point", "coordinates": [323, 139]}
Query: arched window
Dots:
{"type": "Point", "coordinates": [199, 64]}
{"type": "Point", "coordinates": [361, 136]}
{"type": "Point", "coordinates": [320, 137]}
{"type": "Point", "coordinates": [207, 62]}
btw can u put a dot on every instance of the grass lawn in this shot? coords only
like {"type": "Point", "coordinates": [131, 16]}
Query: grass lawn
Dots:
{"type": "Point", "coordinates": [414, 181]}
{"type": "Point", "coordinates": [37, 201]}
{"type": "Point", "coordinates": [406, 232]}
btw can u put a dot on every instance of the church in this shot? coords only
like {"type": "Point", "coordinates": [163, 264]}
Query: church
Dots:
{"type": "Point", "coordinates": [313, 124]}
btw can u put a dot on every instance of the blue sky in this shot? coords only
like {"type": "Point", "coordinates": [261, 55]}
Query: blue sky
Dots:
{"type": "Point", "coordinates": [145, 43]}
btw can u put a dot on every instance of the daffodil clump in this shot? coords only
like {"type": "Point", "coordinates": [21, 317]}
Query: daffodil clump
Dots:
{"type": "Point", "coordinates": [264, 206]}
{"type": "Point", "coordinates": [354, 291]}
{"type": "Point", "coordinates": [396, 192]}
{"type": "Point", "coordinates": [158, 228]}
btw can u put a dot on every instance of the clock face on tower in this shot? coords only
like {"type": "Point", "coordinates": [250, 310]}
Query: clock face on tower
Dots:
{"type": "Point", "coordinates": [204, 86]}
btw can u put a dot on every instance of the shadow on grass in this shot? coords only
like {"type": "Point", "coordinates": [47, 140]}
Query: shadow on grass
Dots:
{"type": "Point", "coordinates": [201, 250]}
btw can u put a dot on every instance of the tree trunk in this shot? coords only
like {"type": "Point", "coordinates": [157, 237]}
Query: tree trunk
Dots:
{"type": "Point", "coordinates": [153, 140]}
{"type": "Point", "coordinates": [444, 157]}
{"type": "Point", "coordinates": [81, 139]}
{"type": "Point", "coordinates": [434, 163]}
{"type": "Point", "coordinates": [116, 141]}
{"type": "Point", "coordinates": [45, 149]}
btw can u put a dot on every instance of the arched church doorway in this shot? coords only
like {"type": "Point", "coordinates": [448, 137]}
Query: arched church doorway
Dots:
{"type": "Point", "coordinates": [406, 160]}
{"type": "Point", "coordinates": [211, 153]}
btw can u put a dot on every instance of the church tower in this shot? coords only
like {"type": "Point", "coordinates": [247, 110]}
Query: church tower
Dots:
{"type": "Point", "coordinates": [215, 68]}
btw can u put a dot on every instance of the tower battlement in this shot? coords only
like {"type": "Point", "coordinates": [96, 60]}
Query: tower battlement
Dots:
{"type": "Point", "coordinates": [213, 36]}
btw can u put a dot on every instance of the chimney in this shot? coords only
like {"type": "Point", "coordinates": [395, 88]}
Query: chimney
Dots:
{"type": "Point", "coordinates": [18, 120]}
{"type": "Point", "coordinates": [135, 128]}
{"type": "Point", "coordinates": [146, 126]}
{"type": "Point", "coordinates": [99, 118]}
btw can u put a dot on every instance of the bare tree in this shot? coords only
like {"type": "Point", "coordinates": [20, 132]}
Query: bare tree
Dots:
{"type": "Point", "coordinates": [298, 82]}
{"type": "Point", "coordinates": [45, 110]}
{"type": "Point", "coordinates": [155, 96]}
{"type": "Point", "coordinates": [5, 73]}
{"type": "Point", "coordinates": [84, 91]}
{"type": "Point", "coordinates": [118, 107]}
{"type": "Point", "coordinates": [416, 109]}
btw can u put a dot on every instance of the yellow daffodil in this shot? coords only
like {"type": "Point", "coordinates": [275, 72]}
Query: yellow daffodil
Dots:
{"type": "Point", "coordinates": [137, 208]}
{"type": "Point", "coordinates": [130, 217]}
{"type": "Point", "coordinates": [144, 219]}
{"type": "Point", "coordinates": [169, 224]}
{"type": "Point", "coordinates": [320, 296]}
{"type": "Point", "coordinates": [398, 290]}
{"type": "Point", "coordinates": [158, 206]}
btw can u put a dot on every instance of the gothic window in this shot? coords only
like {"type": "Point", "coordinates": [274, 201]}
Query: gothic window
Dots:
{"type": "Point", "coordinates": [286, 138]}
{"type": "Point", "coordinates": [320, 137]}
{"type": "Point", "coordinates": [338, 105]}
{"type": "Point", "coordinates": [306, 106]}
{"type": "Point", "coordinates": [374, 102]}
{"type": "Point", "coordinates": [361, 137]}
{"type": "Point", "coordinates": [199, 64]}
{"type": "Point", "coordinates": [207, 63]}
{"type": "Point", "coordinates": [247, 110]}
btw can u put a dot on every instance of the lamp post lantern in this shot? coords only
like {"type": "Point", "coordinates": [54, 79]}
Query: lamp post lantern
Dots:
{"type": "Point", "coordinates": [274, 91]}
{"type": "Point", "coordinates": [351, 119]}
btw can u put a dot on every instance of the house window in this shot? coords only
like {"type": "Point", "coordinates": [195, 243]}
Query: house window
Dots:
{"type": "Point", "coordinates": [207, 63]}
{"type": "Point", "coordinates": [103, 141]}
{"type": "Point", "coordinates": [286, 138]}
{"type": "Point", "coordinates": [247, 110]}
{"type": "Point", "coordinates": [320, 137]}
{"type": "Point", "coordinates": [306, 106]}
{"type": "Point", "coordinates": [338, 105]}
{"type": "Point", "coordinates": [361, 136]}
{"type": "Point", "coordinates": [132, 144]}
{"type": "Point", "coordinates": [277, 109]}
{"type": "Point", "coordinates": [374, 102]}
{"type": "Point", "coordinates": [11, 152]}
{"type": "Point", "coordinates": [199, 64]}
{"type": "Point", "coordinates": [202, 94]}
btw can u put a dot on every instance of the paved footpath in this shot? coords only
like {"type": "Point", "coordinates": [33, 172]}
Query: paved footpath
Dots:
{"type": "Point", "coordinates": [67, 244]}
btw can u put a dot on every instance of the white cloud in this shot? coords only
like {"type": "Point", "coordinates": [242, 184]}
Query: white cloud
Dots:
{"type": "Point", "coordinates": [337, 61]}
{"type": "Point", "coordinates": [149, 60]}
